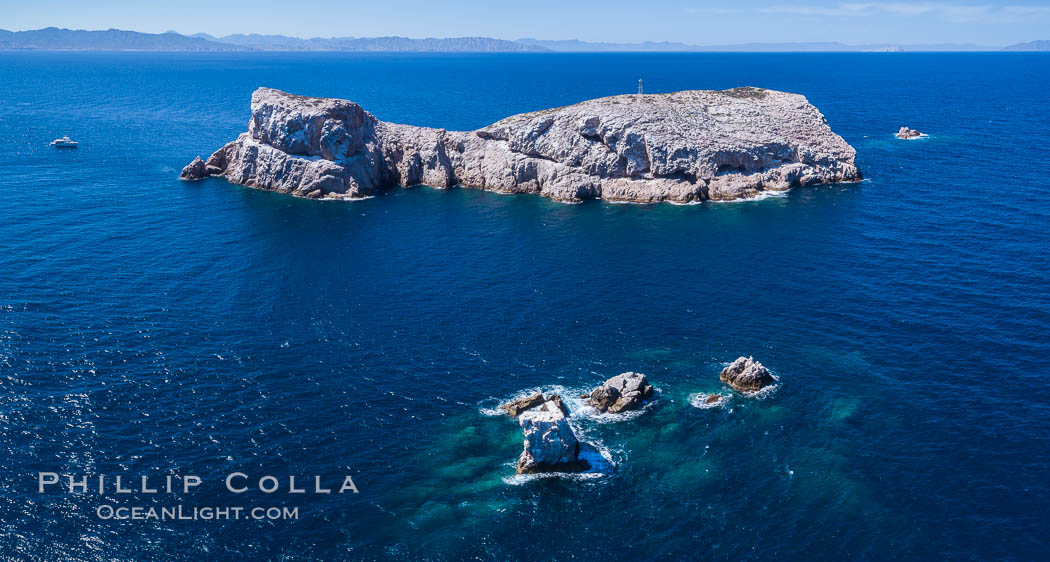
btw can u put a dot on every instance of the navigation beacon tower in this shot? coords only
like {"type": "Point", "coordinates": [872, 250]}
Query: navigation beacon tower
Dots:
{"type": "Point", "coordinates": [639, 86]}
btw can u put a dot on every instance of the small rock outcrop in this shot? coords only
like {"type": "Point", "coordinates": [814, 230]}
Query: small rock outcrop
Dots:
{"type": "Point", "coordinates": [708, 401]}
{"type": "Point", "coordinates": [550, 444]}
{"type": "Point", "coordinates": [515, 408]}
{"type": "Point", "coordinates": [558, 403]}
{"type": "Point", "coordinates": [906, 133]}
{"type": "Point", "coordinates": [747, 375]}
{"type": "Point", "coordinates": [194, 170]}
{"type": "Point", "coordinates": [681, 147]}
{"type": "Point", "coordinates": [626, 391]}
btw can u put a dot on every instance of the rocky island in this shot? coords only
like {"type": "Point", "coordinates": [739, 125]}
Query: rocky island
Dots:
{"type": "Point", "coordinates": [550, 444]}
{"type": "Point", "coordinates": [906, 133]}
{"type": "Point", "coordinates": [681, 147]}
{"type": "Point", "coordinates": [622, 393]}
{"type": "Point", "coordinates": [747, 375]}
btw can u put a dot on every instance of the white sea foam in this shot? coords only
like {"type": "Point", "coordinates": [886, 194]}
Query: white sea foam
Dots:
{"type": "Point", "coordinates": [490, 406]}
{"type": "Point", "coordinates": [762, 195]}
{"type": "Point", "coordinates": [760, 394]}
{"type": "Point", "coordinates": [625, 202]}
{"type": "Point", "coordinates": [699, 400]}
{"type": "Point", "coordinates": [594, 415]}
{"type": "Point", "coordinates": [571, 397]}
{"type": "Point", "coordinates": [519, 479]}
{"type": "Point", "coordinates": [763, 393]}
{"type": "Point", "coordinates": [581, 416]}
{"type": "Point", "coordinates": [578, 407]}
{"type": "Point", "coordinates": [594, 452]}
{"type": "Point", "coordinates": [344, 197]}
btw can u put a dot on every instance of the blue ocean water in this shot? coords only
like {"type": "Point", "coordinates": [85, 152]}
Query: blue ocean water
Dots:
{"type": "Point", "coordinates": [150, 326]}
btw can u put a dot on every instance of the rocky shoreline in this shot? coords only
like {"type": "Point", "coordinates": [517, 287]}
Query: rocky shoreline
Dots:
{"type": "Point", "coordinates": [682, 147]}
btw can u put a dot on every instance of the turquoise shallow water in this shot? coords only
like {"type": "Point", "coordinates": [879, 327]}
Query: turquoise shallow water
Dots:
{"type": "Point", "coordinates": [150, 326]}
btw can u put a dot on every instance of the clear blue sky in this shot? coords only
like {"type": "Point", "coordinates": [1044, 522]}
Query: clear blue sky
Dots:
{"type": "Point", "coordinates": [985, 22]}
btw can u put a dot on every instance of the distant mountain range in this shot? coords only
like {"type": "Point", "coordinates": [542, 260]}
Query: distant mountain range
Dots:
{"type": "Point", "coordinates": [53, 38]}
{"type": "Point", "coordinates": [1029, 46]}
{"type": "Point", "coordinates": [573, 45]}
{"type": "Point", "coordinates": [452, 44]}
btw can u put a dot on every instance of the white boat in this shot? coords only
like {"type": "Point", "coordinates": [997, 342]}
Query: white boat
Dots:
{"type": "Point", "coordinates": [64, 142]}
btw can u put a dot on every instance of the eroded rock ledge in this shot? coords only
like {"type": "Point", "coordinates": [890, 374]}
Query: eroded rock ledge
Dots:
{"type": "Point", "coordinates": [683, 147]}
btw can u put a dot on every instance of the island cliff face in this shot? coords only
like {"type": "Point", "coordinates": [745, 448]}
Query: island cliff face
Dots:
{"type": "Point", "coordinates": [683, 147]}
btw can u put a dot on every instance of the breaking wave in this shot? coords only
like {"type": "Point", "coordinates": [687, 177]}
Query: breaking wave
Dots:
{"type": "Point", "coordinates": [573, 398]}
{"type": "Point", "coordinates": [699, 400]}
{"type": "Point", "coordinates": [594, 452]}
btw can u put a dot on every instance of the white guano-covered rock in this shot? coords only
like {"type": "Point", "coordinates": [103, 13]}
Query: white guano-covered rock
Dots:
{"type": "Point", "coordinates": [624, 392]}
{"type": "Point", "coordinates": [550, 444]}
{"type": "Point", "coordinates": [747, 375]}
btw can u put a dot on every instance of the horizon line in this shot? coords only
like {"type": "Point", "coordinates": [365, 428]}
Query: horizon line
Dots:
{"type": "Point", "coordinates": [852, 46]}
